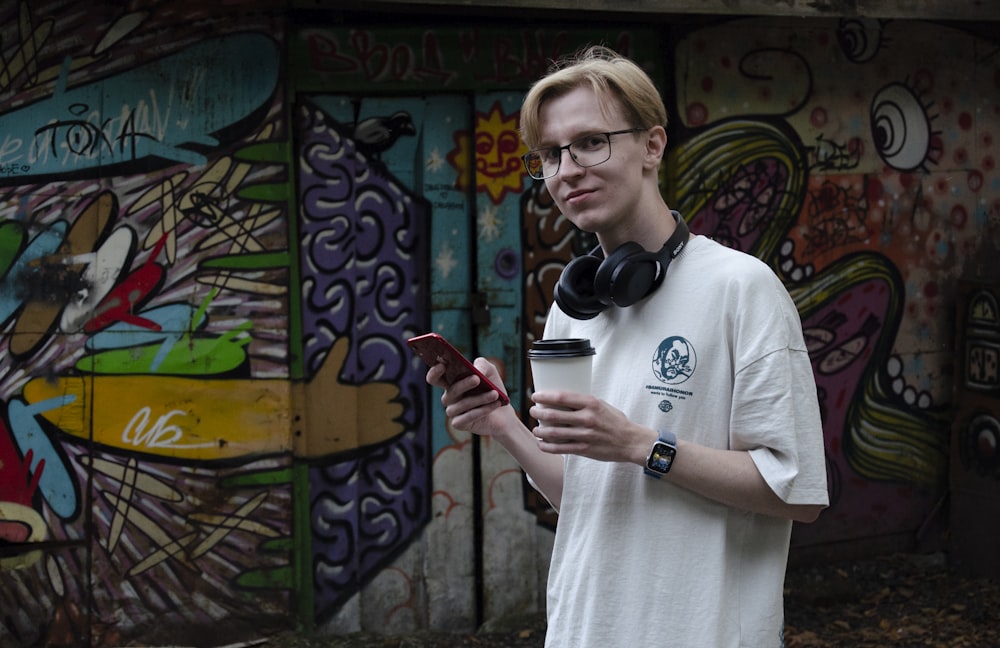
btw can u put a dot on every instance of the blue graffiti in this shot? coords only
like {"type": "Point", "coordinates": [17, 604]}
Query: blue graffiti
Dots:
{"type": "Point", "coordinates": [170, 110]}
{"type": "Point", "coordinates": [175, 322]}
{"type": "Point", "coordinates": [14, 285]}
{"type": "Point", "coordinates": [56, 485]}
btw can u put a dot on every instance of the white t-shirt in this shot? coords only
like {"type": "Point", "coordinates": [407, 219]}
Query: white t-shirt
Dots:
{"type": "Point", "coordinates": [715, 355]}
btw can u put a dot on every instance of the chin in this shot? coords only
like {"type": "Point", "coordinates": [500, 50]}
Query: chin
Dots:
{"type": "Point", "coordinates": [583, 221]}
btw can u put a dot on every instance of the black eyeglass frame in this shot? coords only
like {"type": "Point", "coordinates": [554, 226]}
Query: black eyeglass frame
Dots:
{"type": "Point", "coordinates": [607, 134]}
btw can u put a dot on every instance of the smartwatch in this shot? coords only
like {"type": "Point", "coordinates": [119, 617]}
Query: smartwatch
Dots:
{"type": "Point", "coordinates": [662, 454]}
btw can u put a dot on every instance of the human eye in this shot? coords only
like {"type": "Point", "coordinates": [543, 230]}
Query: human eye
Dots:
{"type": "Point", "coordinates": [591, 142]}
{"type": "Point", "coordinates": [550, 154]}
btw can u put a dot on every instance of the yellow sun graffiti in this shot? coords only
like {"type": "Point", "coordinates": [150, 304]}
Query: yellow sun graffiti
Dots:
{"type": "Point", "coordinates": [498, 155]}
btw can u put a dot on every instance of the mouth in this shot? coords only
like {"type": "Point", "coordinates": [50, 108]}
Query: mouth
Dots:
{"type": "Point", "coordinates": [578, 195]}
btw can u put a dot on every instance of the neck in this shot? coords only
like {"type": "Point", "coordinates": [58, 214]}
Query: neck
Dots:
{"type": "Point", "coordinates": [650, 233]}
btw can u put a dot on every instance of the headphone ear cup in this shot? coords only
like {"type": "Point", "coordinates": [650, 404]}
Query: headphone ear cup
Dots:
{"type": "Point", "coordinates": [574, 291]}
{"type": "Point", "coordinates": [627, 275]}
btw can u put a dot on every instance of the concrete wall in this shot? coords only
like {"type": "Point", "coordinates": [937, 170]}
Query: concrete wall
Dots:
{"type": "Point", "coordinates": [210, 428]}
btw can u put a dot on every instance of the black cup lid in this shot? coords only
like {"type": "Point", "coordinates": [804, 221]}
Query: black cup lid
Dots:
{"type": "Point", "coordinates": [566, 348]}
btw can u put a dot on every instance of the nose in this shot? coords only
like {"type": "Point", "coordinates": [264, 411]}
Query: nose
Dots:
{"type": "Point", "coordinates": [568, 167]}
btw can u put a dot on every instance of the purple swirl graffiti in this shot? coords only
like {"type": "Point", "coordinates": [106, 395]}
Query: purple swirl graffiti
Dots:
{"type": "Point", "coordinates": [364, 278]}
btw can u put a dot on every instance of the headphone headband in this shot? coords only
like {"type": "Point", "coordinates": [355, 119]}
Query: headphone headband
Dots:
{"type": "Point", "coordinates": [674, 245]}
{"type": "Point", "coordinates": [591, 283]}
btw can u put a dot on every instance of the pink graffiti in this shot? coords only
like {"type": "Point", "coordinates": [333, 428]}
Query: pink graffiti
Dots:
{"type": "Point", "coordinates": [379, 61]}
{"type": "Point", "coordinates": [125, 299]}
{"type": "Point", "coordinates": [17, 482]}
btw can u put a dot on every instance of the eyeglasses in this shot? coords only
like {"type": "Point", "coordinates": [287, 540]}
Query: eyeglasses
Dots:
{"type": "Point", "coordinates": [587, 151]}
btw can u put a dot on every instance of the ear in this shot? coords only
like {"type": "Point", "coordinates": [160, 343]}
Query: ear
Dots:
{"type": "Point", "coordinates": [656, 145]}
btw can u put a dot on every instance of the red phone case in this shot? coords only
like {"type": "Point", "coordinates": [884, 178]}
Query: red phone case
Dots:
{"type": "Point", "coordinates": [434, 349]}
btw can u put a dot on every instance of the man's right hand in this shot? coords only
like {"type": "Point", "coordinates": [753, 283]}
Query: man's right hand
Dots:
{"type": "Point", "coordinates": [467, 410]}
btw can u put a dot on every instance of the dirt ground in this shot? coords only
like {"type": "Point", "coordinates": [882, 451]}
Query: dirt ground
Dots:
{"type": "Point", "coordinates": [907, 601]}
{"type": "Point", "coordinates": [901, 600]}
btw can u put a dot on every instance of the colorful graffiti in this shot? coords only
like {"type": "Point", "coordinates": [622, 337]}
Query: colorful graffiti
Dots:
{"type": "Point", "coordinates": [360, 233]}
{"type": "Point", "coordinates": [498, 151]}
{"type": "Point", "coordinates": [844, 194]}
{"type": "Point", "coordinates": [148, 390]}
{"type": "Point", "coordinates": [843, 160]}
{"type": "Point", "coordinates": [145, 407]}
{"type": "Point", "coordinates": [210, 426]}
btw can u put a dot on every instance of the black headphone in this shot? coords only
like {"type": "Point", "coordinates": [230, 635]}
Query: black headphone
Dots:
{"type": "Point", "coordinates": [590, 284]}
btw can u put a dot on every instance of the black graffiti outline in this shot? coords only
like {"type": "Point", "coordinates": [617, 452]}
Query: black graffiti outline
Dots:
{"type": "Point", "coordinates": [97, 138]}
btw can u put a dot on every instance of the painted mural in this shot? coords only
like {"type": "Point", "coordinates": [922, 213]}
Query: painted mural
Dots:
{"type": "Point", "coordinates": [860, 172]}
{"type": "Point", "coordinates": [857, 163]}
{"type": "Point", "coordinates": [153, 391]}
{"type": "Point", "coordinates": [360, 232]}
{"type": "Point", "coordinates": [144, 385]}
{"type": "Point", "coordinates": [214, 243]}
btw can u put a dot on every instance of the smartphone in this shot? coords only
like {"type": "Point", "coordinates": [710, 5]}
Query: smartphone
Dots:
{"type": "Point", "coordinates": [434, 349]}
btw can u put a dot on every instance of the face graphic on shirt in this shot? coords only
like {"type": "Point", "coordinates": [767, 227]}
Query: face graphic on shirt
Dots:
{"type": "Point", "coordinates": [674, 361]}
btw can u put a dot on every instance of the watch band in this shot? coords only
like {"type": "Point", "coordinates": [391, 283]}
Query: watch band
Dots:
{"type": "Point", "coordinates": [661, 455]}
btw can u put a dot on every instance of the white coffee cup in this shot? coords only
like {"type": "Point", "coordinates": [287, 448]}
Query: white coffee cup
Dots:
{"type": "Point", "coordinates": [562, 365]}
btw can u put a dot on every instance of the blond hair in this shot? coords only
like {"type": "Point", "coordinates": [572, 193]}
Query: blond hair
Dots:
{"type": "Point", "coordinates": [609, 75]}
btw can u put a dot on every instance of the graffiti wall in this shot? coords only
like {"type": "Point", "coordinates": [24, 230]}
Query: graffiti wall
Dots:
{"type": "Point", "coordinates": [145, 392]}
{"type": "Point", "coordinates": [437, 110]}
{"type": "Point", "coordinates": [218, 225]}
{"type": "Point", "coordinates": [857, 158]}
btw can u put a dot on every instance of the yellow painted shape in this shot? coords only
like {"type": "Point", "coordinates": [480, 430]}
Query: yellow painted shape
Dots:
{"type": "Point", "coordinates": [207, 420]}
{"type": "Point", "coordinates": [177, 417]}
{"type": "Point", "coordinates": [334, 417]}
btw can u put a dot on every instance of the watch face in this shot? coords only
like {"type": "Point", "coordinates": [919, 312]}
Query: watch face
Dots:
{"type": "Point", "coordinates": [661, 457]}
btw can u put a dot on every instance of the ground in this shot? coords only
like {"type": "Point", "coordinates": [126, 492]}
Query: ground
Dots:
{"type": "Point", "coordinates": [901, 600]}
{"type": "Point", "coordinates": [907, 601]}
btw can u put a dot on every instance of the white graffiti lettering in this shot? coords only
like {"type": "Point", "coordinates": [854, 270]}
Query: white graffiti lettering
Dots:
{"type": "Point", "coordinates": [160, 435]}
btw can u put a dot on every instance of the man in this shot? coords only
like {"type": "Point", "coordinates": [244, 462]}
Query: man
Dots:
{"type": "Point", "coordinates": [678, 480]}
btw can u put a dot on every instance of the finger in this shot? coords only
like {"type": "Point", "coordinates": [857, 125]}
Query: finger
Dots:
{"type": "Point", "coordinates": [561, 399]}
{"type": "Point", "coordinates": [435, 376]}
{"type": "Point", "coordinates": [458, 392]}
{"type": "Point", "coordinates": [553, 434]}
{"type": "Point", "coordinates": [553, 418]}
{"type": "Point", "coordinates": [551, 445]}
{"type": "Point", "coordinates": [483, 365]}
{"type": "Point", "coordinates": [470, 420]}
{"type": "Point", "coordinates": [458, 400]}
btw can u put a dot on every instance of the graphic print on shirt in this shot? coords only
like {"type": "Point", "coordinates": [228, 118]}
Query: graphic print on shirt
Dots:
{"type": "Point", "coordinates": [674, 362]}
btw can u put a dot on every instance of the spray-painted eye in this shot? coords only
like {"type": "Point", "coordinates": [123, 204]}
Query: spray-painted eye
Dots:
{"type": "Point", "coordinates": [901, 128]}
{"type": "Point", "coordinates": [860, 38]}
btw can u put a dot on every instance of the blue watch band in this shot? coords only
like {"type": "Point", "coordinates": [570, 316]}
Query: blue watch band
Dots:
{"type": "Point", "coordinates": [661, 455]}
